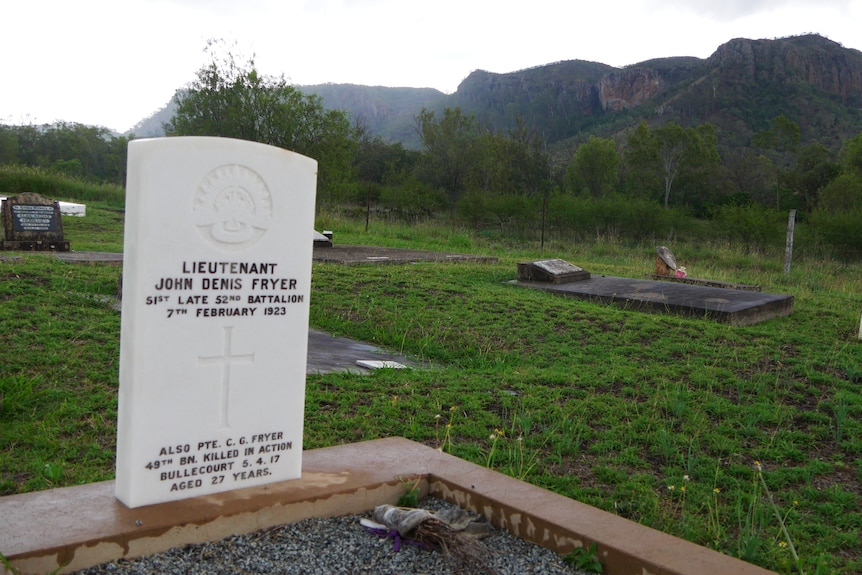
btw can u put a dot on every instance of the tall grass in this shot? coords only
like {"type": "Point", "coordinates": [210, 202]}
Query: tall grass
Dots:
{"type": "Point", "coordinates": [568, 219]}
{"type": "Point", "coordinates": [17, 179]}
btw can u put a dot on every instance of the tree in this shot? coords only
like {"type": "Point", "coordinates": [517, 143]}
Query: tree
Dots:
{"type": "Point", "coordinates": [71, 145]}
{"type": "Point", "coordinates": [702, 182]}
{"type": "Point", "coordinates": [851, 156]}
{"type": "Point", "coordinates": [450, 146]}
{"type": "Point", "coordinates": [528, 159]}
{"type": "Point", "coordinates": [783, 135]}
{"type": "Point", "coordinates": [511, 164]}
{"type": "Point", "coordinates": [670, 152]}
{"type": "Point", "coordinates": [815, 168]}
{"type": "Point", "coordinates": [234, 100]}
{"type": "Point", "coordinates": [377, 165]}
{"type": "Point", "coordinates": [73, 149]}
{"type": "Point", "coordinates": [379, 162]}
{"type": "Point", "coordinates": [843, 194]}
{"type": "Point", "coordinates": [641, 162]}
{"type": "Point", "coordinates": [115, 160]}
{"type": "Point", "coordinates": [779, 143]}
{"type": "Point", "coordinates": [508, 172]}
{"type": "Point", "coordinates": [534, 167]}
{"type": "Point", "coordinates": [8, 145]}
{"type": "Point", "coordinates": [594, 167]}
{"type": "Point", "coordinates": [489, 174]}
{"type": "Point", "coordinates": [673, 143]}
{"type": "Point", "coordinates": [748, 173]}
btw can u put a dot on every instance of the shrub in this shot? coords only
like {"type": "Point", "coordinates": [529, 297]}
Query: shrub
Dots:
{"type": "Point", "coordinates": [839, 231]}
{"type": "Point", "coordinates": [752, 226]}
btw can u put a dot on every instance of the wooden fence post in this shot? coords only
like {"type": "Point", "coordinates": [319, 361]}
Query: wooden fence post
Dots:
{"type": "Point", "coordinates": [788, 248]}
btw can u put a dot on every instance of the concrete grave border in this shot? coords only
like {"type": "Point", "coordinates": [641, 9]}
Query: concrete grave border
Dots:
{"type": "Point", "coordinates": [76, 527]}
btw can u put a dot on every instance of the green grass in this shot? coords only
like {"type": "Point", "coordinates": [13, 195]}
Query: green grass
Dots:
{"type": "Point", "coordinates": [58, 377]}
{"type": "Point", "coordinates": [678, 423]}
{"type": "Point", "coordinates": [97, 231]}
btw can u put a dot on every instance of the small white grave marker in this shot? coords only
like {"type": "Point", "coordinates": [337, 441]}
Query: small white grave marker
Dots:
{"type": "Point", "coordinates": [216, 281]}
{"type": "Point", "coordinates": [379, 364]}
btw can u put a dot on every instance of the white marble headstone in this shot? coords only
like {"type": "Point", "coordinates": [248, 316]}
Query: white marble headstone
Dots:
{"type": "Point", "coordinates": [216, 285]}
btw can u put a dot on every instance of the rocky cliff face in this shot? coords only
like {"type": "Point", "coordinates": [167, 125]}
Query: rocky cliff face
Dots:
{"type": "Point", "coordinates": [572, 88]}
{"type": "Point", "coordinates": [558, 89]}
{"type": "Point", "coordinates": [629, 88]}
{"type": "Point", "coordinates": [635, 85]}
{"type": "Point", "coordinates": [814, 60]}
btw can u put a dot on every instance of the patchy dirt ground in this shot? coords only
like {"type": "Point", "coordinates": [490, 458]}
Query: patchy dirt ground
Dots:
{"type": "Point", "coordinates": [346, 254]}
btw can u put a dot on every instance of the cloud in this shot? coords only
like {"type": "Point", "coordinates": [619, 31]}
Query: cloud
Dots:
{"type": "Point", "coordinates": [730, 10]}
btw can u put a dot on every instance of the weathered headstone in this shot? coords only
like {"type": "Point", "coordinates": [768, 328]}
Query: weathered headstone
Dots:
{"type": "Point", "coordinates": [32, 222]}
{"type": "Point", "coordinates": [555, 270]}
{"type": "Point", "coordinates": [665, 263]}
{"type": "Point", "coordinates": [216, 280]}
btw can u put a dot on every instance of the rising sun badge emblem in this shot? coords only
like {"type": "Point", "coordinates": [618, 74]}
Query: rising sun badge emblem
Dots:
{"type": "Point", "coordinates": [232, 207]}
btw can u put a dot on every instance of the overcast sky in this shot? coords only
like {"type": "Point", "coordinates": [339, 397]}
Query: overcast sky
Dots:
{"type": "Point", "coordinates": [112, 63]}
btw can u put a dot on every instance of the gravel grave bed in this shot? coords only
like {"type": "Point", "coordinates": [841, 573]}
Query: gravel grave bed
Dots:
{"type": "Point", "coordinates": [339, 545]}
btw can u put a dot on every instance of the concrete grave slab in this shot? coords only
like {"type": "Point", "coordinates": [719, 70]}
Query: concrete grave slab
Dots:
{"type": "Point", "coordinates": [734, 307]}
{"type": "Point", "coordinates": [73, 257]}
{"type": "Point", "coordinates": [329, 353]}
{"type": "Point", "coordinates": [214, 333]}
{"type": "Point", "coordinates": [353, 255]}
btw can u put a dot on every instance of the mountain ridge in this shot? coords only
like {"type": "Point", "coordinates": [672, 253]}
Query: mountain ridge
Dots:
{"type": "Point", "coordinates": [812, 80]}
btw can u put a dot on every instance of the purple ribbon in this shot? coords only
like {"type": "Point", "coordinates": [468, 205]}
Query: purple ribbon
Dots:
{"type": "Point", "coordinates": [397, 536]}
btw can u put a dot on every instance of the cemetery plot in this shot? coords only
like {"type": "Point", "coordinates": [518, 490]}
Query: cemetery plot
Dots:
{"type": "Point", "coordinates": [732, 306]}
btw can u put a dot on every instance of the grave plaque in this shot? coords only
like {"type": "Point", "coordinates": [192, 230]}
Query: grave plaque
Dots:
{"type": "Point", "coordinates": [32, 222]}
{"type": "Point", "coordinates": [214, 336]}
{"type": "Point", "coordinates": [555, 271]}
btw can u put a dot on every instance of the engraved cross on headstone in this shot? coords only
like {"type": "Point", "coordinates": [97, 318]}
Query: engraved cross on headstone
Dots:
{"type": "Point", "coordinates": [226, 359]}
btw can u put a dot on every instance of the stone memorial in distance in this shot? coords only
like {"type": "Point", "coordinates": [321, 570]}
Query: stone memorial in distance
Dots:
{"type": "Point", "coordinates": [32, 222]}
{"type": "Point", "coordinates": [554, 270]}
{"type": "Point", "coordinates": [214, 336]}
